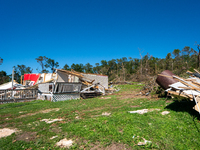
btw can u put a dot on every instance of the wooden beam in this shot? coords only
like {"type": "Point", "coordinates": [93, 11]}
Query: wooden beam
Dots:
{"type": "Point", "coordinates": [197, 71]}
{"type": "Point", "coordinates": [179, 94]}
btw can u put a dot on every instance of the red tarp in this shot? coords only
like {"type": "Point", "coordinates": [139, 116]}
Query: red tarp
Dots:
{"type": "Point", "coordinates": [32, 77]}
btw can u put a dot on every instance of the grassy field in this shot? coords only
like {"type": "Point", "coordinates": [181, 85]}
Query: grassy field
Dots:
{"type": "Point", "coordinates": [84, 123]}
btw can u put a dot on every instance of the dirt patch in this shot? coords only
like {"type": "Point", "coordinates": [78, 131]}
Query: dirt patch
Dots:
{"type": "Point", "coordinates": [42, 111]}
{"type": "Point", "coordinates": [98, 108]}
{"type": "Point", "coordinates": [105, 98]}
{"type": "Point", "coordinates": [169, 101]}
{"type": "Point", "coordinates": [117, 146]}
{"type": "Point", "coordinates": [5, 125]}
{"type": "Point", "coordinates": [6, 132]}
{"type": "Point", "coordinates": [133, 94]}
{"type": "Point", "coordinates": [56, 130]}
{"type": "Point", "coordinates": [113, 146]}
{"type": "Point", "coordinates": [26, 136]}
{"type": "Point", "coordinates": [6, 115]}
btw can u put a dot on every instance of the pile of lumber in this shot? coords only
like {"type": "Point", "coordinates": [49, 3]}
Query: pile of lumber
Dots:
{"type": "Point", "coordinates": [187, 88]}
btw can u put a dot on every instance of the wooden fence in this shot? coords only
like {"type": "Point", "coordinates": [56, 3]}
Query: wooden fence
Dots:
{"type": "Point", "coordinates": [18, 95]}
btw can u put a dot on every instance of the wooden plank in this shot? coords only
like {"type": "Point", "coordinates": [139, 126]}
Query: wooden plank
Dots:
{"type": "Point", "coordinates": [186, 83]}
{"type": "Point", "coordinates": [186, 88]}
{"type": "Point", "coordinates": [197, 71]}
{"type": "Point", "coordinates": [44, 77]}
{"type": "Point", "coordinates": [21, 79]}
{"type": "Point", "coordinates": [179, 94]}
{"type": "Point", "coordinates": [196, 108]}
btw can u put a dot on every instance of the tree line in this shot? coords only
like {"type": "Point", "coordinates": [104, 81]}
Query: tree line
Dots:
{"type": "Point", "coordinates": [123, 69]}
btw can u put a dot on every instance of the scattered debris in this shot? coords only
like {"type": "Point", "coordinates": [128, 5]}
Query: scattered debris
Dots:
{"type": "Point", "coordinates": [53, 137]}
{"type": "Point", "coordinates": [6, 132]}
{"type": "Point", "coordinates": [51, 120]}
{"type": "Point", "coordinates": [143, 111]}
{"type": "Point", "coordinates": [165, 112]}
{"type": "Point", "coordinates": [106, 114]}
{"type": "Point", "coordinates": [64, 143]}
{"type": "Point", "coordinates": [77, 117]}
{"type": "Point", "coordinates": [22, 112]}
{"type": "Point", "coordinates": [143, 143]}
{"type": "Point", "coordinates": [8, 85]}
{"type": "Point", "coordinates": [149, 86]}
{"type": "Point", "coordinates": [139, 111]}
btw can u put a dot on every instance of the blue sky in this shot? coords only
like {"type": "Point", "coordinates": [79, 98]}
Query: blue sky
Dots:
{"type": "Point", "coordinates": [82, 31]}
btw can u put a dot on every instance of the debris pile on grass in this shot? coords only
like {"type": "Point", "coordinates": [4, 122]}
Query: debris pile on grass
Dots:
{"type": "Point", "coordinates": [185, 88]}
{"type": "Point", "coordinates": [51, 120]}
{"type": "Point", "coordinates": [143, 143]}
{"type": "Point", "coordinates": [6, 132]}
{"type": "Point", "coordinates": [165, 112]}
{"type": "Point", "coordinates": [64, 143]}
{"type": "Point", "coordinates": [149, 87]}
{"type": "Point", "coordinates": [143, 111]}
{"type": "Point", "coordinates": [106, 114]}
{"type": "Point", "coordinates": [53, 137]}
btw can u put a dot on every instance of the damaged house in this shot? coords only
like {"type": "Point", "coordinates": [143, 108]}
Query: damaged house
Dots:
{"type": "Point", "coordinates": [65, 85]}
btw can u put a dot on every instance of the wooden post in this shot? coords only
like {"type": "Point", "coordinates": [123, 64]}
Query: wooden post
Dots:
{"type": "Point", "coordinates": [21, 78]}
{"type": "Point", "coordinates": [44, 77]}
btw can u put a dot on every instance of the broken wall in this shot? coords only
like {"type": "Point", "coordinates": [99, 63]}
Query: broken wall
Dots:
{"type": "Point", "coordinates": [62, 77]}
{"type": "Point", "coordinates": [102, 79]}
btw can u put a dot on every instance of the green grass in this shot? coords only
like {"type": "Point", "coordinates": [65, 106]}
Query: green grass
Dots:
{"type": "Point", "coordinates": [177, 130]}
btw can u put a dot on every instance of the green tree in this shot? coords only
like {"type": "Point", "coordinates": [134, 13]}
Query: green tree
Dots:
{"type": "Point", "coordinates": [50, 63]}
{"type": "Point", "coordinates": [88, 68]}
{"type": "Point", "coordinates": [42, 60]}
{"type": "Point", "coordinates": [177, 58]}
{"type": "Point", "coordinates": [22, 69]}
{"type": "Point", "coordinates": [66, 67]}
{"type": "Point", "coordinates": [77, 67]}
{"type": "Point", "coordinates": [104, 67]}
{"type": "Point", "coordinates": [3, 77]}
{"type": "Point", "coordinates": [168, 61]}
{"type": "Point", "coordinates": [97, 68]}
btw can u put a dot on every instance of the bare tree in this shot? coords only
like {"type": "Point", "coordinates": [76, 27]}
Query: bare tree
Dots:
{"type": "Point", "coordinates": [140, 60]}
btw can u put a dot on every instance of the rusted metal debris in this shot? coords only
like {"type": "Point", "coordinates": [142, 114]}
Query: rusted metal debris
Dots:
{"type": "Point", "coordinates": [164, 81]}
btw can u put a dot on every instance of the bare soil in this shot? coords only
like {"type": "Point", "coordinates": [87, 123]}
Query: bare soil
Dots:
{"type": "Point", "coordinates": [26, 136]}
{"type": "Point", "coordinates": [42, 111]}
{"type": "Point", "coordinates": [113, 146]}
{"type": "Point", "coordinates": [133, 95]}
